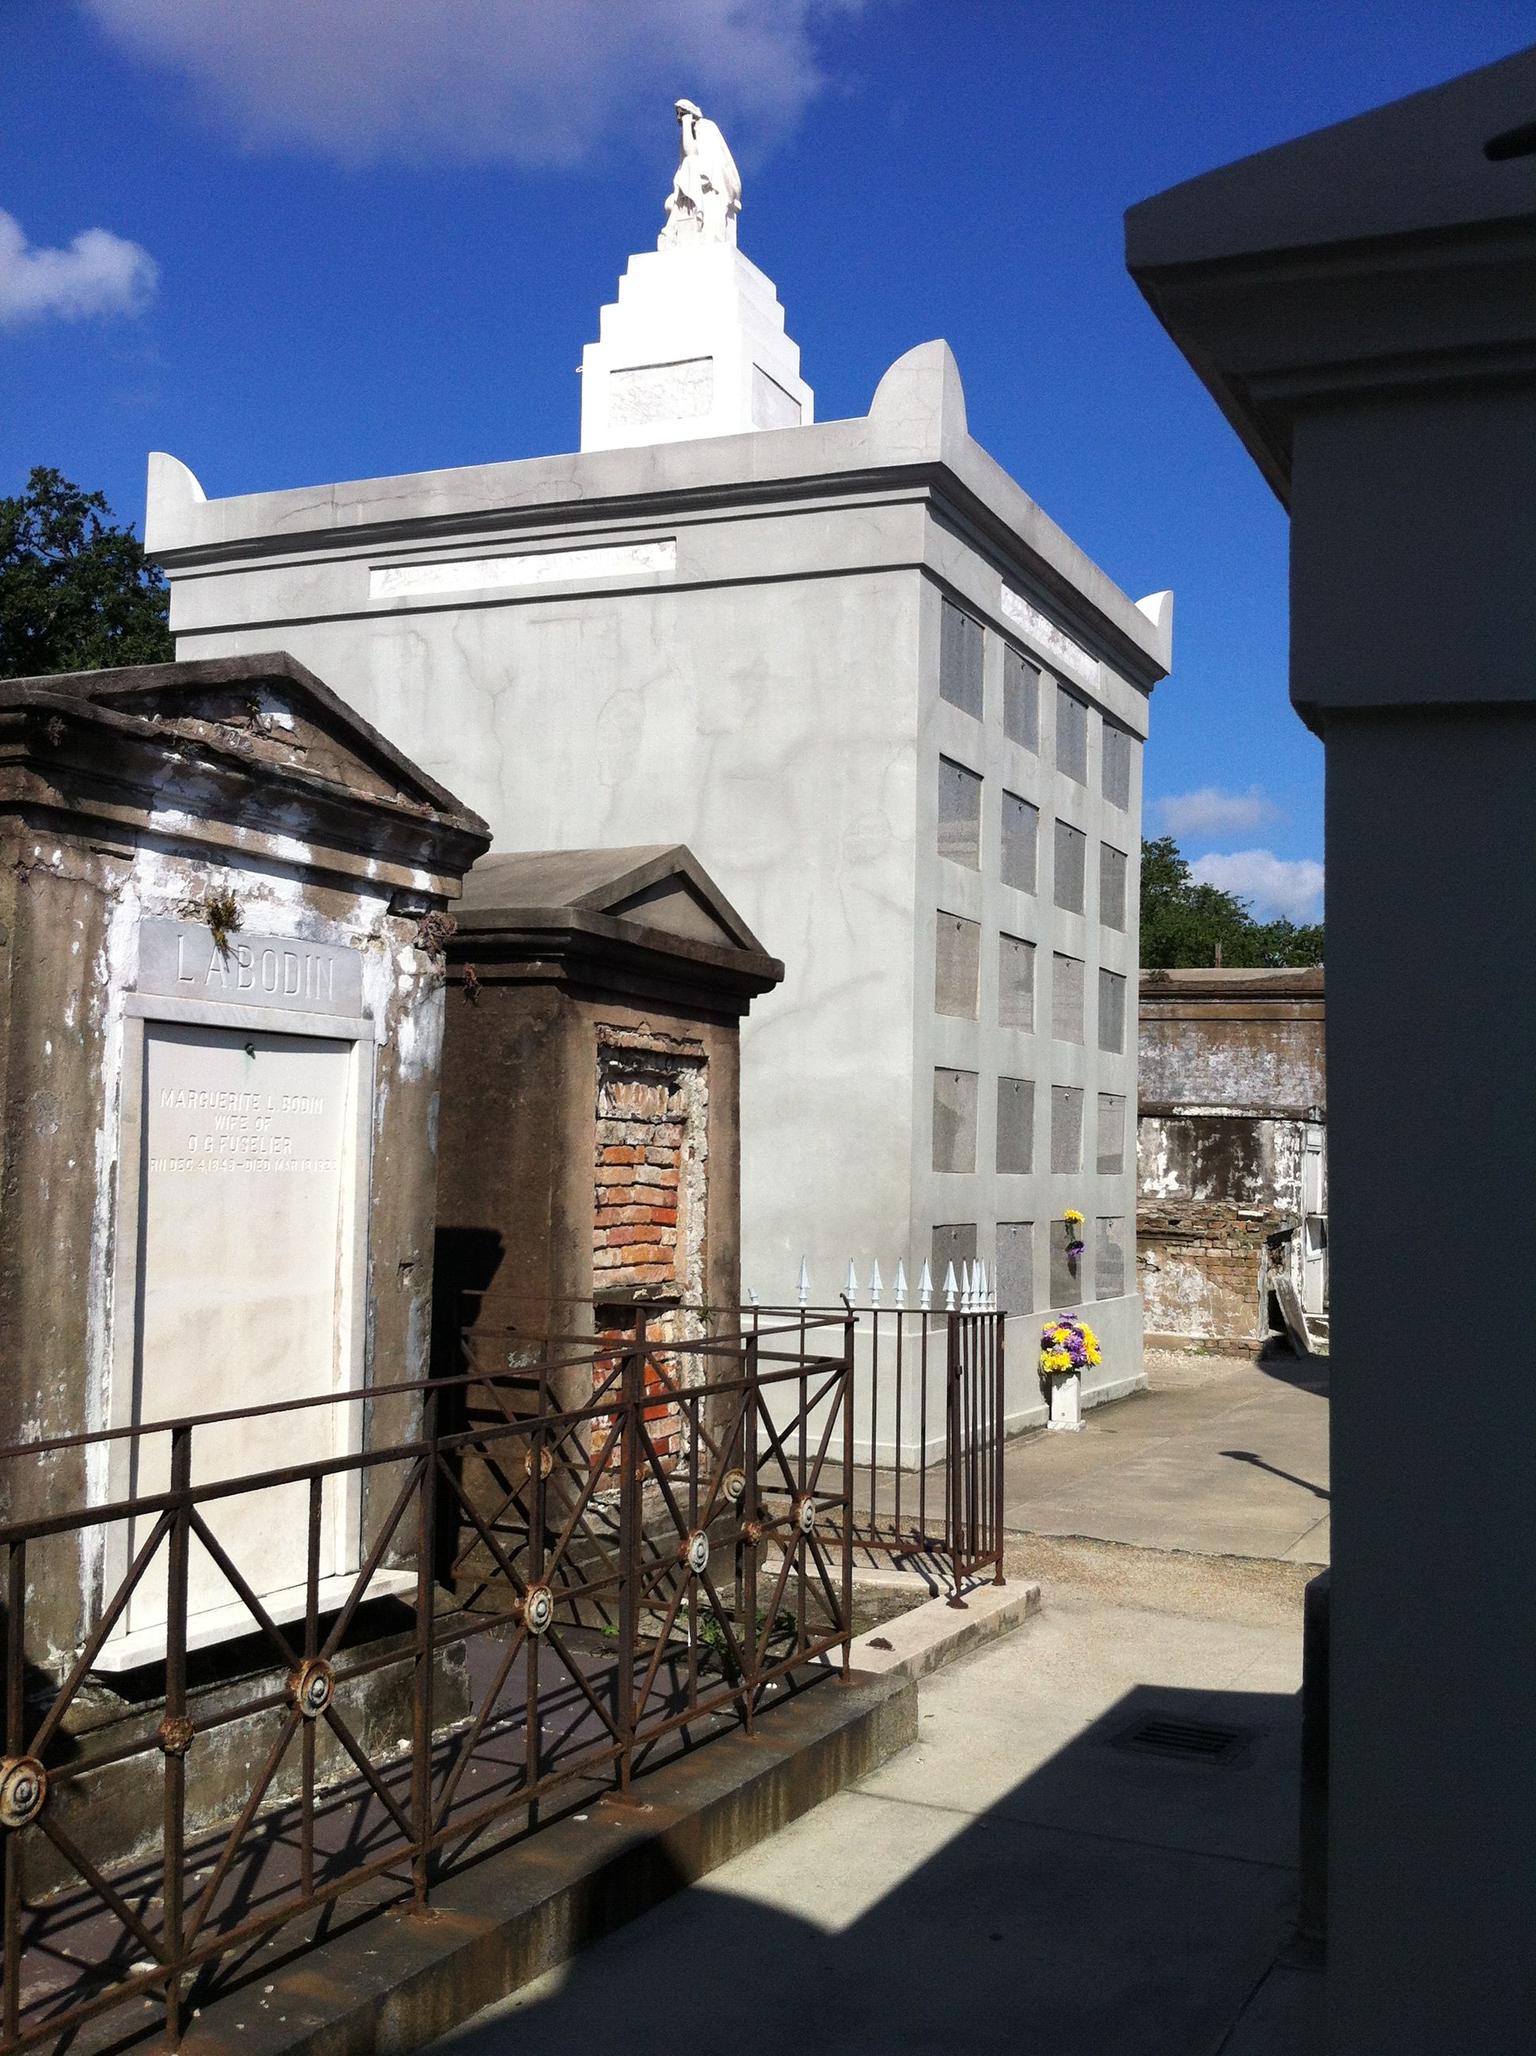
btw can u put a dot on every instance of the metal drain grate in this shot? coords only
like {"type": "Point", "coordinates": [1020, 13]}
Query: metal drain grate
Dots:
{"type": "Point", "coordinates": [1184, 1741]}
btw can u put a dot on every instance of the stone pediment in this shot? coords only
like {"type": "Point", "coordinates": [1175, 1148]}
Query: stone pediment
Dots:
{"type": "Point", "coordinates": [660, 887]}
{"type": "Point", "coordinates": [264, 711]}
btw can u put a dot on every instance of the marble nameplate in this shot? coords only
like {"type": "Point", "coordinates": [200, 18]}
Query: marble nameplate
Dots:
{"type": "Point", "coordinates": [530, 568]}
{"type": "Point", "coordinates": [181, 960]}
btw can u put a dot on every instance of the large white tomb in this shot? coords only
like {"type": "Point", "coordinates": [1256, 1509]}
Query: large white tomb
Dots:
{"type": "Point", "coordinates": [897, 710]}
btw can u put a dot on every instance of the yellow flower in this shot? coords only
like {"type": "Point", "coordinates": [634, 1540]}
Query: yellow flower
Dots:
{"type": "Point", "coordinates": [1073, 1217]}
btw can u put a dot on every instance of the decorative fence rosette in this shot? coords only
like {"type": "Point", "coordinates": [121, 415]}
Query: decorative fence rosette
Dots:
{"type": "Point", "coordinates": [1068, 1345]}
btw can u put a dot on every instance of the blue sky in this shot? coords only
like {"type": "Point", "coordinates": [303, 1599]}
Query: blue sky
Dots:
{"type": "Point", "coordinates": [366, 236]}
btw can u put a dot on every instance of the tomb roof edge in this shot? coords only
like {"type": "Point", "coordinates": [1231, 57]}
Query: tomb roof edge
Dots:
{"type": "Point", "coordinates": [914, 434]}
{"type": "Point", "coordinates": [151, 729]}
{"type": "Point", "coordinates": [660, 890]}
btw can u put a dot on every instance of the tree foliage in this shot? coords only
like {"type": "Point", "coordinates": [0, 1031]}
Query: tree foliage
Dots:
{"type": "Point", "coordinates": [75, 591]}
{"type": "Point", "coordinates": [1186, 926]}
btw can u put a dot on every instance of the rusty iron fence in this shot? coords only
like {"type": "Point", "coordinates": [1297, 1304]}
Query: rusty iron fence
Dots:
{"type": "Point", "coordinates": [925, 1485]}
{"type": "Point", "coordinates": [570, 1598]}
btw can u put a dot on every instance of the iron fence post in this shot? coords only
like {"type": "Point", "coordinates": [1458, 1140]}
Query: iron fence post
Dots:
{"type": "Point", "coordinates": [975, 1388]}
{"type": "Point", "coordinates": [532, 1644]}
{"type": "Point", "coordinates": [421, 1697]}
{"type": "Point", "coordinates": [15, 1742]}
{"type": "Point", "coordinates": [173, 1760]}
{"type": "Point", "coordinates": [926, 1320]}
{"type": "Point", "coordinates": [749, 1522]}
{"type": "Point", "coordinates": [631, 1399]}
{"type": "Point", "coordinates": [846, 1524]}
{"type": "Point", "coordinates": [311, 1651]}
{"type": "Point", "coordinates": [954, 1451]}
{"type": "Point", "coordinates": [901, 1431]}
{"type": "Point", "coordinates": [999, 1434]}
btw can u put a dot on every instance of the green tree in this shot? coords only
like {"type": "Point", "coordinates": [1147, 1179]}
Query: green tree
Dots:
{"type": "Point", "coordinates": [75, 591]}
{"type": "Point", "coordinates": [1187, 926]}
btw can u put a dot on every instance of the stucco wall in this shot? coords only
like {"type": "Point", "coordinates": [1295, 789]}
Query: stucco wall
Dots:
{"type": "Point", "coordinates": [769, 727]}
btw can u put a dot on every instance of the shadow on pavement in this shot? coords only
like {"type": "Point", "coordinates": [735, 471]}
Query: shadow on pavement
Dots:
{"type": "Point", "coordinates": [1260, 1464]}
{"type": "Point", "coordinates": [1124, 1900]}
{"type": "Point", "coordinates": [1306, 1373]}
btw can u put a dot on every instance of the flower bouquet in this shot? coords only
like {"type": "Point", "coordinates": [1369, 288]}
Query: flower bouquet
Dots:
{"type": "Point", "coordinates": [1068, 1345]}
{"type": "Point", "coordinates": [1074, 1222]}
{"type": "Point", "coordinates": [1067, 1348]}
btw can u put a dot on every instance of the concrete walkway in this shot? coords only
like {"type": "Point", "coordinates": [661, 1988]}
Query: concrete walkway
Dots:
{"type": "Point", "coordinates": [1020, 1880]}
{"type": "Point", "coordinates": [1017, 1881]}
{"type": "Point", "coordinates": [1222, 1457]}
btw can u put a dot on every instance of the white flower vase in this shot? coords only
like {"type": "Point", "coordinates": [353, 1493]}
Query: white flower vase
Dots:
{"type": "Point", "coordinates": [1067, 1401]}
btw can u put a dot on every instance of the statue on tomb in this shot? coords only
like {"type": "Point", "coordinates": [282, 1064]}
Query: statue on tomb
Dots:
{"type": "Point", "coordinates": [706, 187]}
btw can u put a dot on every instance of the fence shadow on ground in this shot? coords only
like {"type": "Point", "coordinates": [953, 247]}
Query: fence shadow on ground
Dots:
{"type": "Point", "coordinates": [1124, 1899]}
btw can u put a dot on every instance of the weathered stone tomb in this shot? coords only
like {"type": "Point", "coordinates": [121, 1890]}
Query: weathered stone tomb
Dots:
{"type": "Point", "coordinates": [222, 903]}
{"type": "Point", "coordinates": [1231, 1130]}
{"type": "Point", "coordinates": [589, 1158]}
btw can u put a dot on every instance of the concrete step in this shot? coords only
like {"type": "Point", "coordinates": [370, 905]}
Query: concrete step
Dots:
{"type": "Point", "coordinates": [936, 1632]}
{"type": "Point", "coordinates": [400, 1979]}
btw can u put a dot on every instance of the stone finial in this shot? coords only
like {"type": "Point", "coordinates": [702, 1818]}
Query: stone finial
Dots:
{"type": "Point", "coordinates": [921, 401]}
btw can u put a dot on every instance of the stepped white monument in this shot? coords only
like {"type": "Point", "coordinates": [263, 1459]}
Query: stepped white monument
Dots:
{"type": "Point", "coordinates": [695, 343]}
{"type": "Point", "coordinates": [891, 707]}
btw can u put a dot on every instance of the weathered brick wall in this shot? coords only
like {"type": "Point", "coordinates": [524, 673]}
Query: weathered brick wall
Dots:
{"type": "Point", "coordinates": [649, 1209]}
{"type": "Point", "coordinates": [663, 1420]}
{"type": "Point", "coordinates": [1202, 1268]}
{"type": "Point", "coordinates": [641, 1120]}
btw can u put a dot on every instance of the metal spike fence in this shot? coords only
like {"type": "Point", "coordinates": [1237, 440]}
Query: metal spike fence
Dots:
{"type": "Point", "coordinates": [580, 1604]}
{"type": "Point", "coordinates": [925, 1485]}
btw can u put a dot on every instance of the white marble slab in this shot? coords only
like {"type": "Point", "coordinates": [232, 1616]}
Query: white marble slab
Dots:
{"type": "Point", "coordinates": [247, 1192]}
{"type": "Point", "coordinates": [530, 568]}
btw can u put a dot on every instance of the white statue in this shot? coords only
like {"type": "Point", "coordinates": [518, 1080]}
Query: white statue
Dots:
{"type": "Point", "coordinates": [706, 187]}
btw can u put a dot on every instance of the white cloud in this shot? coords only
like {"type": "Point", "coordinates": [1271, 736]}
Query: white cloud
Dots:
{"type": "Point", "coordinates": [1277, 887]}
{"type": "Point", "coordinates": [1210, 811]}
{"type": "Point", "coordinates": [99, 273]}
{"type": "Point", "coordinates": [534, 81]}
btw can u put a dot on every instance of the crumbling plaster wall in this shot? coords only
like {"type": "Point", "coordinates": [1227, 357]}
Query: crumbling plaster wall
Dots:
{"type": "Point", "coordinates": [1221, 1059]}
{"type": "Point", "coordinates": [1211, 1155]}
{"type": "Point", "coordinates": [1231, 1078]}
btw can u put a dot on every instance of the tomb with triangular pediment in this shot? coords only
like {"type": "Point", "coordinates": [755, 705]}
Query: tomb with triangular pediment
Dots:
{"type": "Point", "coordinates": [588, 1148]}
